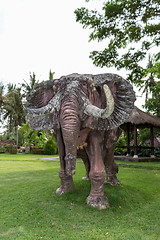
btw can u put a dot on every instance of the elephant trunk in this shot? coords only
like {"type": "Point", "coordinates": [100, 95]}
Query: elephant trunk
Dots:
{"type": "Point", "coordinates": [70, 125]}
{"type": "Point", "coordinates": [94, 111]}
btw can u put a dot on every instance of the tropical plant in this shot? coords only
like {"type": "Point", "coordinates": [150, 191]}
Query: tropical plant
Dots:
{"type": "Point", "coordinates": [51, 74]}
{"type": "Point", "coordinates": [50, 148]}
{"type": "Point", "coordinates": [130, 30]}
{"type": "Point", "coordinates": [13, 109]}
{"type": "Point", "coordinates": [1, 97]}
{"type": "Point", "coordinates": [33, 137]}
{"type": "Point", "coordinates": [152, 103]}
{"type": "Point", "coordinates": [27, 87]}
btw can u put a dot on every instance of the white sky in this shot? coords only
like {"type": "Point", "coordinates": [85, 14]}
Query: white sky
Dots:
{"type": "Point", "coordinates": [39, 35]}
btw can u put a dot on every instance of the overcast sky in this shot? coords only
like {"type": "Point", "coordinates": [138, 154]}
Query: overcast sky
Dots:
{"type": "Point", "coordinates": [39, 35]}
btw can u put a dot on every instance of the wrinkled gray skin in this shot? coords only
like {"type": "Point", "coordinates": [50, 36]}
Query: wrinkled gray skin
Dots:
{"type": "Point", "coordinates": [81, 109]}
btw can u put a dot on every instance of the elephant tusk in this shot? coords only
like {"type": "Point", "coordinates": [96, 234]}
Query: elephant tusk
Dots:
{"type": "Point", "coordinates": [94, 111]}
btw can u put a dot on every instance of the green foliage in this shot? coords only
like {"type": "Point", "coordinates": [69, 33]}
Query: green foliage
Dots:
{"type": "Point", "coordinates": [8, 148]}
{"type": "Point", "coordinates": [157, 151]}
{"type": "Point", "coordinates": [11, 149]}
{"type": "Point", "coordinates": [129, 25]}
{"type": "Point", "coordinates": [2, 149]}
{"type": "Point", "coordinates": [37, 138]}
{"type": "Point", "coordinates": [143, 138]}
{"type": "Point", "coordinates": [27, 87]}
{"type": "Point", "coordinates": [1, 97]}
{"type": "Point", "coordinates": [122, 141]}
{"type": "Point", "coordinates": [37, 150]}
{"type": "Point", "coordinates": [153, 103]}
{"type": "Point", "coordinates": [13, 108]}
{"type": "Point", "coordinates": [50, 147]}
{"type": "Point", "coordinates": [51, 74]}
{"type": "Point", "coordinates": [151, 85]}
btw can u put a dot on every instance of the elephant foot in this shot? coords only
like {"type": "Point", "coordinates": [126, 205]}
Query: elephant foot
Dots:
{"type": "Point", "coordinates": [113, 181]}
{"type": "Point", "coordinates": [66, 183]}
{"type": "Point", "coordinates": [70, 164]}
{"type": "Point", "coordinates": [67, 188]}
{"type": "Point", "coordinates": [59, 190]}
{"type": "Point", "coordinates": [85, 178]}
{"type": "Point", "coordinates": [100, 202]}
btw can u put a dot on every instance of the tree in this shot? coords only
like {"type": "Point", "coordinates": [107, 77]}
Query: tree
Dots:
{"type": "Point", "coordinates": [149, 78]}
{"type": "Point", "coordinates": [1, 97]}
{"type": "Point", "coordinates": [13, 109]}
{"type": "Point", "coordinates": [153, 103]}
{"type": "Point", "coordinates": [27, 87]}
{"type": "Point", "coordinates": [51, 74]}
{"type": "Point", "coordinates": [152, 86]}
{"type": "Point", "coordinates": [129, 25]}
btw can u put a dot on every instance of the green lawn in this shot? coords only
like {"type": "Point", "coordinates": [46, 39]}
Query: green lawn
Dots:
{"type": "Point", "coordinates": [23, 156]}
{"type": "Point", "coordinates": [30, 209]}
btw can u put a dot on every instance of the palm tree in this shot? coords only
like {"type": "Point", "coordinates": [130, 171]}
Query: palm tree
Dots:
{"type": "Point", "coordinates": [51, 74]}
{"type": "Point", "coordinates": [27, 87]}
{"type": "Point", "coordinates": [1, 97]}
{"type": "Point", "coordinates": [13, 109]}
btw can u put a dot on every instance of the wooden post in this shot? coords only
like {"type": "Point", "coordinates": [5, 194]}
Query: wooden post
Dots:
{"type": "Point", "coordinates": [152, 142]}
{"type": "Point", "coordinates": [135, 143]}
{"type": "Point", "coordinates": [128, 140]}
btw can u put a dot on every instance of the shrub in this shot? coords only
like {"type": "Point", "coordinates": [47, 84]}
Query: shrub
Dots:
{"type": "Point", "coordinates": [157, 151]}
{"type": "Point", "coordinates": [2, 149]}
{"type": "Point", "coordinates": [50, 147]}
{"type": "Point", "coordinates": [120, 151]}
{"type": "Point", "coordinates": [13, 149]}
{"type": "Point", "coordinates": [37, 150]}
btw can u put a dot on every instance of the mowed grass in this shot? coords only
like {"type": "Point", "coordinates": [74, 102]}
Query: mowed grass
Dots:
{"type": "Point", "coordinates": [24, 156]}
{"type": "Point", "coordinates": [30, 208]}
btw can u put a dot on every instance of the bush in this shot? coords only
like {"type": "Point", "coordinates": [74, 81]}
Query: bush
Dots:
{"type": "Point", "coordinates": [50, 147]}
{"type": "Point", "coordinates": [157, 151]}
{"type": "Point", "coordinates": [2, 149]}
{"type": "Point", "coordinates": [37, 150]}
{"type": "Point", "coordinates": [8, 148]}
{"type": "Point", "coordinates": [12, 149]}
{"type": "Point", "coordinates": [120, 151]}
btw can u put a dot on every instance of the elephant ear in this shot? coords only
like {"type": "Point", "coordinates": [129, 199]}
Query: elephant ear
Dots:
{"type": "Point", "coordinates": [41, 94]}
{"type": "Point", "coordinates": [39, 97]}
{"type": "Point", "coordinates": [124, 98]}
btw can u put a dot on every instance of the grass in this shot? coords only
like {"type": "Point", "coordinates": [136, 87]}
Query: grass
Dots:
{"type": "Point", "coordinates": [23, 156]}
{"type": "Point", "coordinates": [30, 209]}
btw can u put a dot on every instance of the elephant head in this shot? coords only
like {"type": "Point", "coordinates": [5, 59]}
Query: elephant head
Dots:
{"type": "Point", "coordinates": [104, 101]}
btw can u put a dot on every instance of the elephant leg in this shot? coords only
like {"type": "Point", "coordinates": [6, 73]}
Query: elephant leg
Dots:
{"type": "Point", "coordinates": [81, 153]}
{"type": "Point", "coordinates": [66, 181]}
{"type": "Point", "coordinates": [87, 167]}
{"type": "Point", "coordinates": [110, 166]}
{"type": "Point", "coordinates": [96, 197]}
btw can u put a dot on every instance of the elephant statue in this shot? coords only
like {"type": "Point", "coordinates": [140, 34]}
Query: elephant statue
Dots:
{"type": "Point", "coordinates": [81, 108]}
{"type": "Point", "coordinates": [111, 168]}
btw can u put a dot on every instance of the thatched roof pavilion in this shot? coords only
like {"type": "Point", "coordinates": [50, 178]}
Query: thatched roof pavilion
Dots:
{"type": "Point", "coordinates": [140, 119]}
